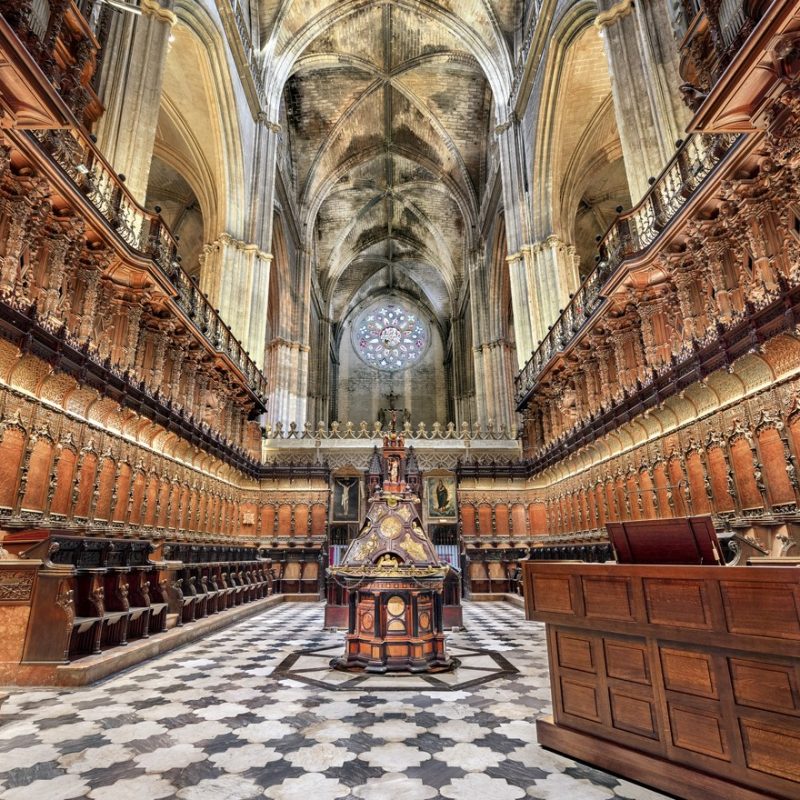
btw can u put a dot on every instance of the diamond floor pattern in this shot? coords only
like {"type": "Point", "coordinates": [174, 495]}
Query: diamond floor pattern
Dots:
{"type": "Point", "coordinates": [211, 722]}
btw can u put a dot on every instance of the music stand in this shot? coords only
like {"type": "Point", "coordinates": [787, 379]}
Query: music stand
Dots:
{"type": "Point", "coordinates": [686, 540]}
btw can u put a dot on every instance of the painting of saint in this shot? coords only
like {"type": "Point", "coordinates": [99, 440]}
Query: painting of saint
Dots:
{"type": "Point", "coordinates": [441, 497]}
{"type": "Point", "coordinates": [345, 499]}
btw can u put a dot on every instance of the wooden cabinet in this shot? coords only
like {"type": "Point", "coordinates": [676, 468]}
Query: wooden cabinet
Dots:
{"type": "Point", "coordinates": [684, 678]}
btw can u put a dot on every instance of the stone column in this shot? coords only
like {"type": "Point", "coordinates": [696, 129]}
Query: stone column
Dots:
{"type": "Point", "coordinates": [288, 375]}
{"type": "Point", "coordinates": [515, 203]}
{"type": "Point", "coordinates": [553, 271]}
{"type": "Point", "coordinates": [494, 369]}
{"type": "Point", "coordinates": [130, 85]}
{"type": "Point", "coordinates": [642, 55]}
{"type": "Point", "coordinates": [235, 276]}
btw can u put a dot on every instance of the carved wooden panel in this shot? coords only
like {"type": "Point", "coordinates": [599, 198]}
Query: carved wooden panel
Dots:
{"type": "Point", "coordinates": [773, 457]}
{"type": "Point", "coordinates": [695, 473]}
{"type": "Point", "coordinates": [123, 489]}
{"type": "Point", "coordinates": [634, 495]}
{"type": "Point", "coordinates": [660, 481]}
{"type": "Point", "coordinates": [11, 451]}
{"type": "Point", "coordinates": [677, 479]}
{"type": "Point", "coordinates": [485, 519]}
{"type": "Point", "coordinates": [648, 497]}
{"type": "Point", "coordinates": [16, 585]}
{"type": "Point", "coordinates": [65, 473]}
{"type": "Point", "coordinates": [776, 614]}
{"type": "Point", "coordinates": [742, 460]}
{"type": "Point", "coordinates": [267, 519]}
{"type": "Point", "coordinates": [164, 490]}
{"type": "Point", "coordinates": [105, 488]}
{"type": "Point", "coordinates": [501, 517]}
{"type": "Point", "coordinates": [688, 672]}
{"type": "Point", "coordinates": [718, 474]}
{"type": "Point", "coordinates": [319, 515]}
{"type": "Point", "coordinates": [86, 484]}
{"type": "Point", "coordinates": [679, 603]}
{"type": "Point", "coordinates": [607, 598]}
{"type": "Point", "coordinates": [38, 476]}
{"type": "Point", "coordinates": [152, 499]}
{"type": "Point", "coordinates": [771, 687]}
{"type": "Point", "coordinates": [600, 511]}
{"type": "Point", "coordinates": [575, 652]}
{"type": "Point", "coordinates": [698, 731]}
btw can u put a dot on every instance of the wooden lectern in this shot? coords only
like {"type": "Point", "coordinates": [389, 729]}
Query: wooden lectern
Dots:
{"type": "Point", "coordinates": [685, 678]}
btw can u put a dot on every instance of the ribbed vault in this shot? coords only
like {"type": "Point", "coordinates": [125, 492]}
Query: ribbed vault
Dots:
{"type": "Point", "coordinates": [388, 106]}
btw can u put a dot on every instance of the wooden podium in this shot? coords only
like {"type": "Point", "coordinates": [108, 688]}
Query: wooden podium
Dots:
{"type": "Point", "coordinates": [685, 678]}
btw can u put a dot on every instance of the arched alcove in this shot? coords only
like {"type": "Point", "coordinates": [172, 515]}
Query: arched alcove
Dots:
{"type": "Point", "coordinates": [168, 190]}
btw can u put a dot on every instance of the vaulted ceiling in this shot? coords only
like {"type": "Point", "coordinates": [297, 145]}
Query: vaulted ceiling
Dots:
{"type": "Point", "coordinates": [388, 108]}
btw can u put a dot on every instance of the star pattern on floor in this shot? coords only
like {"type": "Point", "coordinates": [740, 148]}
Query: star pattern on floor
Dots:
{"type": "Point", "coordinates": [473, 667]}
{"type": "Point", "coordinates": [214, 721]}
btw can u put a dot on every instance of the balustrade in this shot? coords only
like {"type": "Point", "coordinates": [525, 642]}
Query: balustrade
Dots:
{"type": "Point", "coordinates": [146, 234]}
{"type": "Point", "coordinates": [631, 233]}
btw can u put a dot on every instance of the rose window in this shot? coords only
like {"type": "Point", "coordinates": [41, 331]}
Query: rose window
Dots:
{"type": "Point", "coordinates": [390, 336]}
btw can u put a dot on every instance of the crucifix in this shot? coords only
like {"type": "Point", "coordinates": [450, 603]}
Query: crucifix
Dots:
{"type": "Point", "coordinates": [391, 397]}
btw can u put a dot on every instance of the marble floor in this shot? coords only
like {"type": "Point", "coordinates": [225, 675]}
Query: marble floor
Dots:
{"type": "Point", "coordinates": [211, 722]}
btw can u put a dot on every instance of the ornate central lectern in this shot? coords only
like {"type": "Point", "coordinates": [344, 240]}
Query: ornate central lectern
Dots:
{"type": "Point", "coordinates": [395, 582]}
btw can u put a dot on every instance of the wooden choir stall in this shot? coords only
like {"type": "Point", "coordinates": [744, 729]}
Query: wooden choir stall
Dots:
{"type": "Point", "coordinates": [683, 675]}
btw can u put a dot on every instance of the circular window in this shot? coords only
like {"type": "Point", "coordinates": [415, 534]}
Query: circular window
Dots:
{"type": "Point", "coordinates": [390, 336]}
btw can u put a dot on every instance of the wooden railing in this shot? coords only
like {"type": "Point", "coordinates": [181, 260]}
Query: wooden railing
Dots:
{"type": "Point", "coordinates": [630, 234]}
{"type": "Point", "coordinates": [146, 234]}
{"type": "Point", "coordinates": [44, 26]}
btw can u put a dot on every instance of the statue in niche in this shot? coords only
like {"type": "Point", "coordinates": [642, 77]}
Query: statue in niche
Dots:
{"type": "Point", "coordinates": [394, 470]}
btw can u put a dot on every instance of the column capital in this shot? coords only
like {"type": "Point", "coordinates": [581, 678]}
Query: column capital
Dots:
{"type": "Point", "coordinates": [262, 118]}
{"type": "Point", "coordinates": [229, 240]}
{"type": "Point", "coordinates": [617, 11]}
{"type": "Point", "coordinates": [504, 126]}
{"type": "Point", "coordinates": [154, 9]}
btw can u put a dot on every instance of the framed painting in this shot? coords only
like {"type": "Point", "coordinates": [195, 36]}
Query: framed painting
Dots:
{"type": "Point", "coordinates": [345, 498]}
{"type": "Point", "coordinates": [440, 494]}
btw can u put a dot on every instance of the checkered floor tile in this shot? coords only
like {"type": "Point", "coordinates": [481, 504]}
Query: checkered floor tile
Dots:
{"type": "Point", "coordinates": [211, 722]}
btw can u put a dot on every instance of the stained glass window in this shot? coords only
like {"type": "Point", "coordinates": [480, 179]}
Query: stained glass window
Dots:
{"type": "Point", "coordinates": [390, 336]}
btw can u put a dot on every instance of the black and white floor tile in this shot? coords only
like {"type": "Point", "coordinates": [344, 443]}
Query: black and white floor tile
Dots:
{"type": "Point", "coordinates": [211, 722]}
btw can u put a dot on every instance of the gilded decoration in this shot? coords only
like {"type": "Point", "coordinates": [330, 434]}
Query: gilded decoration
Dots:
{"type": "Point", "coordinates": [391, 527]}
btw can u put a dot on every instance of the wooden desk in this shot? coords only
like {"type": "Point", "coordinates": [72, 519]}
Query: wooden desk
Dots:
{"type": "Point", "coordinates": [683, 678]}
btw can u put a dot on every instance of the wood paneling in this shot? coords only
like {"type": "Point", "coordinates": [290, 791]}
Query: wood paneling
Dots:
{"type": "Point", "coordinates": [771, 687]}
{"type": "Point", "coordinates": [682, 604]}
{"type": "Point", "coordinates": [688, 672]}
{"type": "Point", "coordinates": [685, 667]}
{"type": "Point", "coordinates": [608, 598]}
{"type": "Point", "coordinates": [633, 714]}
{"type": "Point", "coordinates": [697, 731]}
{"type": "Point", "coordinates": [575, 652]}
{"type": "Point", "coordinates": [772, 749]}
{"type": "Point", "coordinates": [626, 662]}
